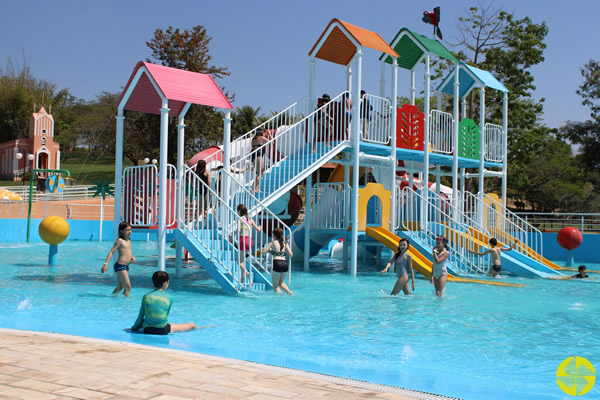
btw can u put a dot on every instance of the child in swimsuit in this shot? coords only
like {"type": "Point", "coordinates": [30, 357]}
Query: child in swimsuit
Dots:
{"type": "Point", "coordinates": [278, 248]}
{"type": "Point", "coordinates": [121, 267]}
{"type": "Point", "coordinates": [403, 262]}
{"type": "Point", "coordinates": [245, 241]}
{"type": "Point", "coordinates": [155, 309]}
{"type": "Point", "coordinates": [440, 272]}
{"type": "Point", "coordinates": [495, 253]}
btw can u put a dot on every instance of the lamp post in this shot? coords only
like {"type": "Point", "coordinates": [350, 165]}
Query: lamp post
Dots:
{"type": "Point", "coordinates": [146, 160]}
{"type": "Point", "coordinates": [19, 156]}
{"type": "Point", "coordinates": [30, 157]}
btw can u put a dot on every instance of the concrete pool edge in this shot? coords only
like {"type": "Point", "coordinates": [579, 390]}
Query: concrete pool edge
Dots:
{"type": "Point", "coordinates": [268, 381]}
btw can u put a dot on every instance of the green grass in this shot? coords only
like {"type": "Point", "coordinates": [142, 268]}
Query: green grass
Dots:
{"type": "Point", "coordinates": [84, 168]}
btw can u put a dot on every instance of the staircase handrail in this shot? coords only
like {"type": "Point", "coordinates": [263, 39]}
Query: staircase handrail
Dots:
{"type": "Point", "coordinates": [512, 227]}
{"type": "Point", "coordinates": [298, 108]}
{"type": "Point", "coordinates": [441, 222]}
{"type": "Point", "coordinates": [239, 194]}
{"type": "Point", "coordinates": [224, 219]}
{"type": "Point", "coordinates": [291, 142]}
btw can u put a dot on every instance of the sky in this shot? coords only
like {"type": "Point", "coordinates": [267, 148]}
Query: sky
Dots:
{"type": "Point", "coordinates": [90, 47]}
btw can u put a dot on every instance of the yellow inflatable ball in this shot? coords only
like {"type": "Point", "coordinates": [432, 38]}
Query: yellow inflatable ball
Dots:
{"type": "Point", "coordinates": [53, 230]}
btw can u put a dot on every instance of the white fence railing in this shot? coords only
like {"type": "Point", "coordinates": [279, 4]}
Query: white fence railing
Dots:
{"type": "Point", "coordinates": [79, 192]}
{"type": "Point", "coordinates": [375, 119]}
{"type": "Point", "coordinates": [442, 220]}
{"type": "Point", "coordinates": [493, 139]}
{"type": "Point", "coordinates": [90, 211]}
{"type": "Point", "coordinates": [505, 225]}
{"type": "Point", "coordinates": [585, 222]}
{"type": "Point", "coordinates": [330, 209]}
{"type": "Point", "coordinates": [440, 132]}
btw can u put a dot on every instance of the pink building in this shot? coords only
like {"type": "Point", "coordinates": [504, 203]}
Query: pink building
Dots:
{"type": "Point", "coordinates": [40, 144]}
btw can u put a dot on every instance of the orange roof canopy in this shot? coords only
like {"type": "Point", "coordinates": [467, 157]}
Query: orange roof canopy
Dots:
{"type": "Point", "coordinates": [336, 42]}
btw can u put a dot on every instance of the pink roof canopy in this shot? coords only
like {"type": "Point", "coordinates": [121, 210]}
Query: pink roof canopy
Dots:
{"type": "Point", "coordinates": [178, 86]}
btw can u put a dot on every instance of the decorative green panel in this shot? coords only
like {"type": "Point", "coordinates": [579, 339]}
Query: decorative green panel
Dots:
{"type": "Point", "coordinates": [468, 139]}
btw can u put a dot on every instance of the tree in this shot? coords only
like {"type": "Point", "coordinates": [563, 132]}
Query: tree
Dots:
{"type": "Point", "coordinates": [587, 133]}
{"type": "Point", "coordinates": [245, 118]}
{"type": "Point", "coordinates": [189, 50]}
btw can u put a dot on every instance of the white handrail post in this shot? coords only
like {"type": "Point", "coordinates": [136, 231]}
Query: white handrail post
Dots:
{"type": "Point", "coordinates": [162, 193]}
{"type": "Point", "coordinates": [118, 173]}
{"type": "Point", "coordinates": [355, 134]}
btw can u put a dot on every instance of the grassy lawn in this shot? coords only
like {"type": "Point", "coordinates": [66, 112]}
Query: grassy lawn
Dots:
{"type": "Point", "coordinates": [84, 168]}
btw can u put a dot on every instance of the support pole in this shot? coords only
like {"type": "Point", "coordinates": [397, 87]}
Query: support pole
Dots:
{"type": "Point", "coordinates": [382, 79]}
{"type": "Point", "coordinates": [504, 146]}
{"type": "Point", "coordinates": [311, 83]}
{"type": "Point", "coordinates": [307, 220]}
{"type": "Point", "coordinates": [425, 181]}
{"type": "Point", "coordinates": [481, 153]}
{"type": "Point", "coordinates": [162, 191]}
{"type": "Point", "coordinates": [355, 134]}
{"type": "Point", "coordinates": [412, 88]}
{"type": "Point", "coordinates": [455, 134]}
{"type": "Point", "coordinates": [226, 157]}
{"type": "Point", "coordinates": [393, 155]}
{"type": "Point", "coordinates": [118, 173]}
{"type": "Point", "coordinates": [180, 191]}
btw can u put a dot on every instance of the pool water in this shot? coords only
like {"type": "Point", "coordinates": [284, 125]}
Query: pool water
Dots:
{"type": "Point", "coordinates": [477, 342]}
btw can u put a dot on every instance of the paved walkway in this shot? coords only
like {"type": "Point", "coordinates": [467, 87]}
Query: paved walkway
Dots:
{"type": "Point", "coordinates": [35, 365]}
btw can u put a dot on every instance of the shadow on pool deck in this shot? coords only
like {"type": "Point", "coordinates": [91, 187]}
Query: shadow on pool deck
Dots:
{"type": "Point", "coordinates": [47, 366]}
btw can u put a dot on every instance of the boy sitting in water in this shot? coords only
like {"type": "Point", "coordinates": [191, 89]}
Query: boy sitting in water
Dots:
{"type": "Point", "coordinates": [582, 273]}
{"type": "Point", "coordinates": [495, 252]}
{"type": "Point", "coordinates": [155, 309]}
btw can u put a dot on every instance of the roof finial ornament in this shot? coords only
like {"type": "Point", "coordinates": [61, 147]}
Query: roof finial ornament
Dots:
{"type": "Point", "coordinates": [433, 18]}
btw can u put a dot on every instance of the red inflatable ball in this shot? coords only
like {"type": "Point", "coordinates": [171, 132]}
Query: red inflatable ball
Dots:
{"type": "Point", "coordinates": [569, 238]}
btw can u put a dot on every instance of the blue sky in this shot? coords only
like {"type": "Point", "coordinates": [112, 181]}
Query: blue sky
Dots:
{"type": "Point", "coordinates": [92, 46]}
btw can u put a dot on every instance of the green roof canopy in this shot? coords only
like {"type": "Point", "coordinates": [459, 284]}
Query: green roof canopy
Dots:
{"type": "Point", "coordinates": [411, 47]}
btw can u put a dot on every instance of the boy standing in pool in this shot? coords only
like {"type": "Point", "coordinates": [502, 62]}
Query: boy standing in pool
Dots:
{"type": "Point", "coordinates": [495, 252]}
{"type": "Point", "coordinates": [155, 309]}
{"type": "Point", "coordinates": [121, 267]}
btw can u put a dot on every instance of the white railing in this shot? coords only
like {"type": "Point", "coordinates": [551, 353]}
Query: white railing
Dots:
{"type": "Point", "coordinates": [79, 192]}
{"type": "Point", "coordinates": [141, 195]}
{"type": "Point", "coordinates": [493, 139]}
{"type": "Point", "coordinates": [505, 225]}
{"type": "Point", "coordinates": [330, 206]}
{"type": "Point", "coordinates": [440, 132]}
{"type": "Point", "coordinates": [304, 144]}
{"type": "Point", "coordinates": [241, 145]}
{"type": "Point", "coordinates": [376, 119]}
{"type": "Point", "coordinates": [443, 220]}
{"type": "Point", "coordinates": [214, 224]}
{"type": "Point", "coordinates": [585, 222]}
{"type": "Point", "coordinates": [90, 211]}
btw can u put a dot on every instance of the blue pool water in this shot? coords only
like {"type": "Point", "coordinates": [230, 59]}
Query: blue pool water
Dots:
{"type": "Point", "coordinates": [478, 342]}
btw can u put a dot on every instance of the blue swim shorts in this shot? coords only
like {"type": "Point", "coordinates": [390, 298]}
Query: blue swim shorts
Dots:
{"type": "Point", "coordinates": [120, 267]}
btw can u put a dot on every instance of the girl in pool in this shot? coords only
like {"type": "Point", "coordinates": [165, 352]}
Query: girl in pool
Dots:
{"type": "Point", "coordinates": [121, 267]}
{"type": "Point", "coordinates": [245, 241]}
{"type": "Point", "coordinates": [278, 248]}
{"type": "Point", "coordinates": [403, 262]}
{"type": "Point", "coordinates": [440, 273]}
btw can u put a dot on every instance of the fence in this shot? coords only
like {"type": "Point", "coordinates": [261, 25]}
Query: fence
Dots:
{"type": "Point", "coordinates": [585, 222]}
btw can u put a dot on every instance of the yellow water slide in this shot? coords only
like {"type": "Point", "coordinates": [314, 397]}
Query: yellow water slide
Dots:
{"type": "Point", "coordinates": [419, 262]}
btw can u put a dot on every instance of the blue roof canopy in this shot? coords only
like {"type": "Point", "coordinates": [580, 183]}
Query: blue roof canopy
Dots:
{"type": "Point", "coordinates": [469, 78]}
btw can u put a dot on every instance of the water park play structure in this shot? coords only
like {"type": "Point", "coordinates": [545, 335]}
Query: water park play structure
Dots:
{"type": "Point", "coordinates": [379, 192]}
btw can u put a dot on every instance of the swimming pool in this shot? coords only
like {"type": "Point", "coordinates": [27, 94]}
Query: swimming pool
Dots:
{"type": "Point", "coordinates": [479, 342]}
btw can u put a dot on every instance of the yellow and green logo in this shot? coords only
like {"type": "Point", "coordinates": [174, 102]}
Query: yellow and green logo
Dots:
{"type": "Point", "coordinates": [576, 376]}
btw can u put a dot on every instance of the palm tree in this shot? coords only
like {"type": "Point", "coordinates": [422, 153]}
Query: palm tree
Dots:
{"type": "Point", "coordinates": [244, 119]}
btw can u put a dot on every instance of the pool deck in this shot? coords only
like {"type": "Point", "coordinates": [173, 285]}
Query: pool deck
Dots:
{"type": "Point", "coordinates": [37, 365]}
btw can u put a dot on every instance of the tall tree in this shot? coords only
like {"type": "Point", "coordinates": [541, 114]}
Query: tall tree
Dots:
{"type": "Point", "coordinates": [245, 119]}
{"type": "Point", "coordinates": [189, 50]}
{"type": "Point", "coordinates": [587, 133]}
